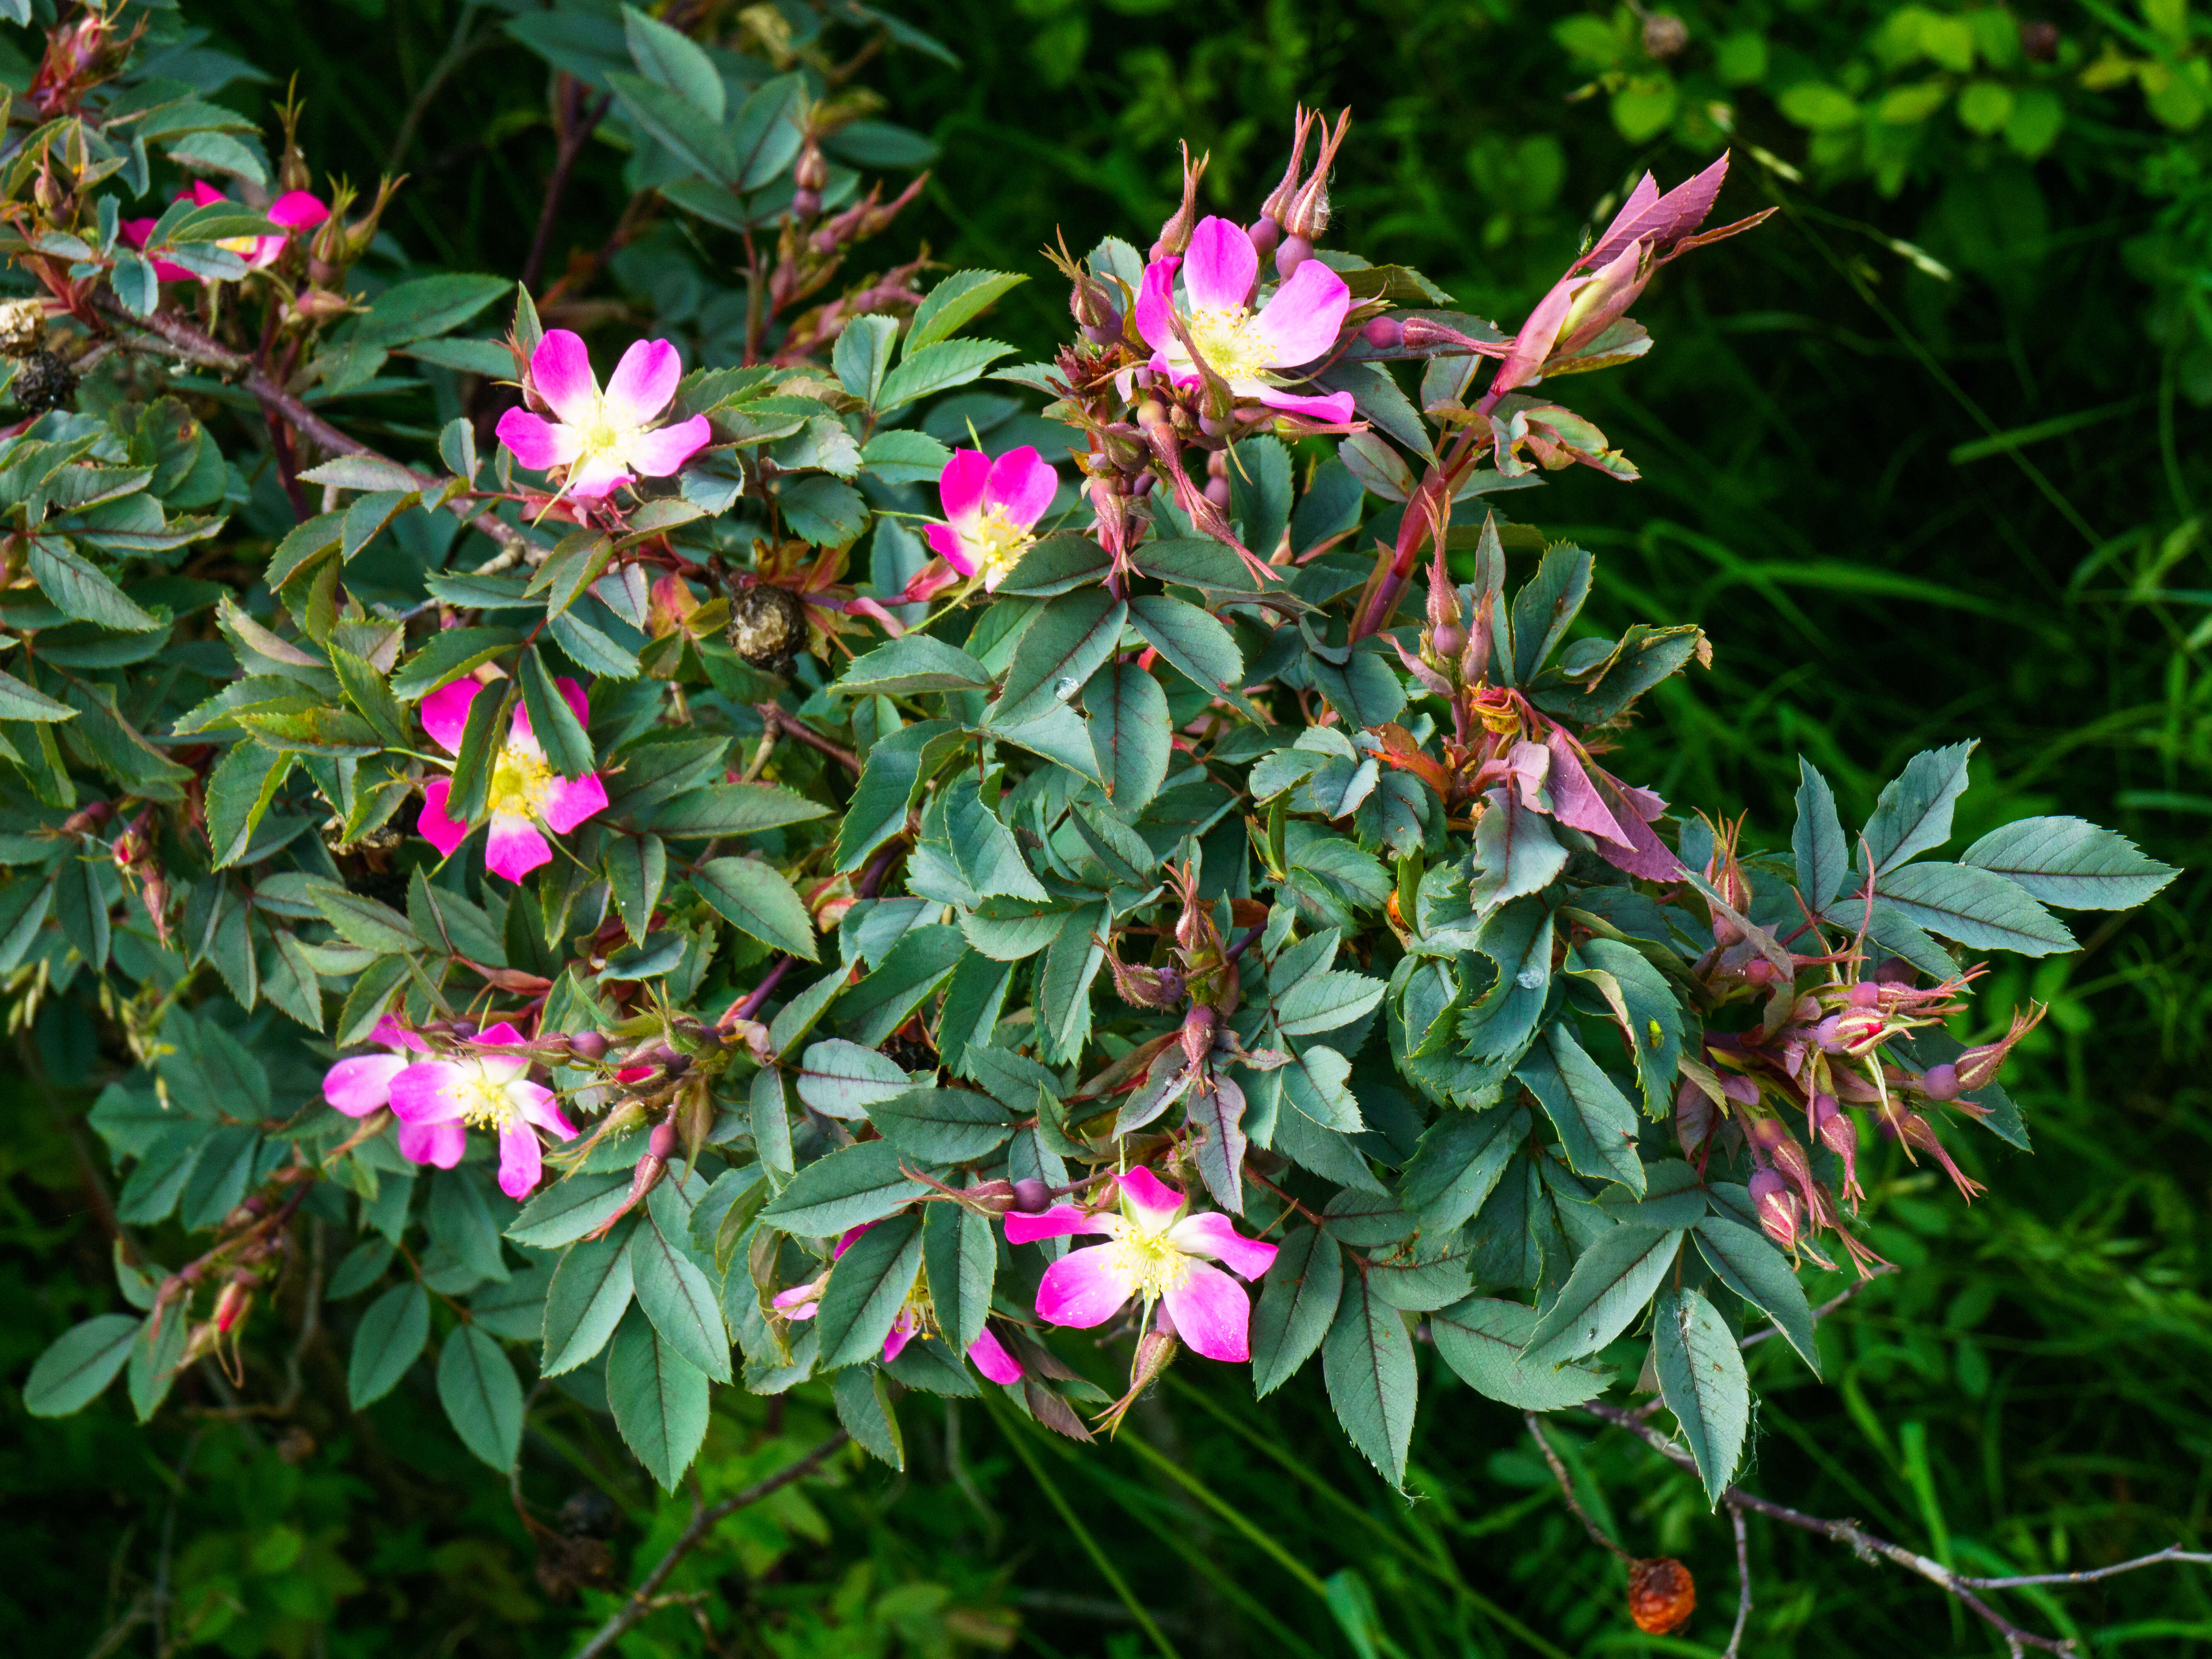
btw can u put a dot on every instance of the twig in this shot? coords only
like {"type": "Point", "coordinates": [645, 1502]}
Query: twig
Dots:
{"type": "Point", "coordinates": [310, 1320]}
{"type": "Point", "coordinates": [1567, 1490]}
{"type": "Point", "coordinates": [458, 52]}
{"type": "Point", "coordinates": [1825, 1309]}
{"type": "Point", "coordinates": [575, 128]}
{"type": "Point", "coordinates": [1869, 1547]}
{"type": "Point", "coordinates": [184, 340]}
{"type": "Point", "coordinates": [791, 726]}
{"type": "Point", "coordinates": [1742, 1579]}
{"type": "Point", "coordinates": [641, 1600]}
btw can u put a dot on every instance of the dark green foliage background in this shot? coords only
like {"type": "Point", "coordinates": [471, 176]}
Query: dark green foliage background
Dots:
{"type": "Point", "coordinates": [2033, 1391]}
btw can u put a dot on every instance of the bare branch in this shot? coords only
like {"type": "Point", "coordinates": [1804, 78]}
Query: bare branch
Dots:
{"type": "Point", "coordinates": [641, 1600]}
{"type": "Point", "coordinates": [790, 725]}
{"type": "Point", "coordinates": [1567, 1490]}
{"type": "Point", "coordinates": [2170, 1552]}
{"type": "Point", "coordinates": [1742, 1579]}
{"type": "Point", "coordinates": [1825, 1309]}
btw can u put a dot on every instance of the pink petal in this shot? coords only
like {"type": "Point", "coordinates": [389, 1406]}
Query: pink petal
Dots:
{"type": "Point", "coordinates": [901, 1333]}
{"type": "Point", "coordinates": [1212, 1233]}
{"type": "Point", "coordinates": [1336, 408]}
{"type": "Point", "coordinates": [597, 476]}
{"type": "Point", "coordinates": [265, 250]}
{"type": "Point", "coordinates": [295, 209]}
{"type": "Point", "coordinates": [502, 1036]}
{"type": "Point", "coordinates": [798, 1302]}
{"type": "Point", "coordinates": [1223, 262]}
{"type": "Point", "coordinates": [392, 1035]}
{"type": "Point", "coordinates": [1058, 1222]}
{"type": "Point", "coordinates": [440, 832]}
{"type": "Point", "coordinates": [441, 1144]}
{"type": "Point", "coordinates": [846, 1239]}
{"type": "Point", "coordinates": [960, 486]}
{"type": "Point", "coordinates": [358, 1087]}
{"type": "Point", "coordinates": [1085, 1287]}
{"type": "Point", "coordinates": [520, 1162]}
{"type": "Point", "coordinates": [204, 193]}
{"type": "Point", "coordinates": [567, 802]}
{"type": "Point", "coordinates": [514, 847]}
{"type": "Point", "coordinates": [561, 370]}
{"type": "Point", "coordinates": [1156, 304]}
{"type": "Point", "coordinates": [136, 231]}
{"type": "Point", "coordinates": [170, 271]}
{"type": "Point", "coordinates": [991, 1357]}
{"type": "Point", "coordinates": [446, 713]}
{"type": "Point", "coordinates": [643, 382]}
{"type": "Point", "coordinates": [1021, 485]}
{"type": "Point", "coordinates": [579, 704]}
{"type": "Point", "coordinates": [538, 443]}
{"type": "Point", "coordinates": [1303, 319]}
{"type": "Point", "coordinates": [429, 1091]}
{"type": "Point", "coordinates": [538, 1104]}
{"type": "Point", "coordinates": [1211, 1311]}
{"type": "Point", "coordinates": [1148, 1200]}
{"type": "Point", "coordinates": [660, 452]}
{"type": "Point", "coordinates": [944, 541]}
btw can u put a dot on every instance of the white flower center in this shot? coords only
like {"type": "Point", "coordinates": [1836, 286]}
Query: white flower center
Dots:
{"type": "Point", "coordinates": [997, 542]}
{"type": "Point", "coordinates": [1228, 340]}
{"type": "Point", "coordinates": [485, 1103]}
{"type": "Point", "coordinates": [598, 432]}
{"type": "Point", "coordinates": [520, 779]}
{"type": "Point", "coordinates": [1151, 1262]}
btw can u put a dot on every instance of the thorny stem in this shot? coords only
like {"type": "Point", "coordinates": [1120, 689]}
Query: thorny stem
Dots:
{"type": "Point", "coordinates": [1868, 1547]}
{"type": "Point", "coordinates": [641, 1599]}
{"type": "Point", "coordinates": [791, 726]}
{"type": "Point", "coordinates": [1742, 1579]}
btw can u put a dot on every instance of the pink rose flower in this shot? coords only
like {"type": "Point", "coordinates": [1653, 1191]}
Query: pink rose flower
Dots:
{"type": "Point", "coordinates": [358, 1086]}
{"type": "Point", "coordinates": [436, 1101]}
{"type": "Point", "coordinates": [604, 438]}
{"type": "Point", "coordinates": [1246, 349]}
{"type": "Point", "coordinates": [295, 209]}
{"type": "Point", "coordinates": [915, 1318]}
{"type": "Point", "coordinates": [525, 790]}
{"type": "Point", "coordinates": [990, 508]}
{"type": "Point", "coordinates": [1158, 1253]}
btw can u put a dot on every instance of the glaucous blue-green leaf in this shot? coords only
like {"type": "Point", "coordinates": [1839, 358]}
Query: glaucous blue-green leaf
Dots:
{"type": "Point", "coordinates": [889, 780]}
{"type": "Point", "coordinates": [733, 808]}
{"type": "Point", "coordinates": [1130, 733]}
{"type": "Point", "coordinates": [1071, 638]}
{"type": "Point", "coordinates": [868, 1286]}
{"type": "Point", "coordinates": [1823, 857]}
{"type": "Point", "coordinates": [910, 664]}
{"type": "Point", "coordinates": [460, 1222]}
{"type": "Point", "coordinates": [658, 1398]}
{"type": "Point", "coordinates": [1192, 641]}
{"type": "Point", "coordinates": [81, 1362]}
{"type": "Point", "coordinates": [1701, 1377]}
{"type": "Point", "coordinates": [1979, 908]}
{"type": "Point", "coordinates": [852, 1185]}
{"type": "Point", "coordinates": [1482, 1338]}
{"type": "Point", "coordinates": [1546, 606]}
{"type": "Point", "coordinates": [1297, 1304]}
{"type": "Point", "coordinates": [961, 1254]}
{"type": "Point", "coordinates": [516, 1309]}
{"type": "Point", "coordinates": [863, 1404]}
{"type": "Point", "coordinates": [1365, 688]}
{"type": "Point", "coordinates": [757, 898]}
{"type": "Point", "coordinates": [1914, 811]}
{"type": "Point", "coordinates": [983, 847]}
{"type": "Point", "coordinates": [1650, 1018]}
{"type": "Point", "coordinates": [482, 1395]}
{"type": "Point", "coordinates": [1742, 1259]}
{"type": "Point", "coordinates": [2070, 863]}
{"type": "Point", "coordinates": [842, 1079]}
{"type": "Point", "coordinates": [1056, 564]}
{"type": "Point", "coordinates": [1516, 938]}
{"type": "Point", "coordinates": [1260, 492]}
{"type": "Point", "coordinates": [1460, 1159]}
{"type": "Point", "coordinates": [1597, 1125]}
{"type": "Point", "coordinates": [941, 1126]}
{"type": "Point", "coordinates": [590, 1291]}
{"type": "Point", "coordinates": [678, 1297]}
{"type": "Point", "coordinates": [1062, 1000]}
{"type": "Point", "coordinates": [1516, 853]}
{"type": "Point", "coordinates": [1323, 1001]}
{"type": "Point", "coordinates": [1367, 1361]}
{"type": "Point", "coordinates": [915, 967]}
{"type": "Point", "coordinates": [388, 1340]}
{"type": "Point", "coordinates": [1612, 1284]}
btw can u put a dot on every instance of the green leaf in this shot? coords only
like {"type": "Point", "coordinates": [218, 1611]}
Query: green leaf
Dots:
{"type": "Point", "coordinates": [864, 1408]}
{"type": "Point", "coordinates": [1517, 938]}
{"type": "Point", "coordinates": [733, 809]}
{"type": "Point", "coordinates": [1979, 908]}
{"type": "Point", "coordinates": [1823, 857]}
{"type": "Point", "coordinates": [19, 701]}
{"type": "Point", "coordinates": [1324, 1001]}
{"type": "Point", "coordinates": [915, 968]}
{"type": "Point", "coordinates": [868, 1288]}
{"type": "Point", "coordinates": [365, 688]}
{"type": "Point", "coordinates": [1056, 564]}
{"type": "Point", "coordinates": [1260, 492]}
{"type": "Point", "coordinates": [288, 981]}
{"type": "Point", "coordinates": [426, 306]}
{"type": "Point", "coordinates": [1071, 638]}
{"type": "Point", "coordinates": [1596, 1123]}
{"type": "Point", "coordinates": [757, 899]}
{"type": "Point", "coordinates": [1367, 1361]}
{"type": "Point", "coordinates": [1546, 607]}
{"type": "Point", "coordinates": [962, 1255]}
{"type": "Point", "coordinates": [1297, 1304]}
{"type": "Point", "coordinates": [1516, 853]}
{"type": "Point", "coordinates": [911, 662]}
{"type": "Point", "coordinates": [76, 589]}
{"type": "Point", "coordinates": [1701, 1377]}
{"type": "Point", "coordinates": [1612, 1283]}
{"type": "Point", "coordinates": [637, 867]}
{"type": "Point", "coordinates": [82, 1361]}
{"type": "Point", "coordinates": [842, 1079]}
{"type": "Point", "coordinates": [852, 1185]}
{"type": "Point", "coordinates": [569, 1209]}
{"type": "Point", "coordinates": [676, 1295]}
{"type": "Point", "coordinates": [672, 60]}
{"type": "Point", "coordinates": [1131, 733]}
{"type": "Point", "coordinates": [863, 356]}
{"type": "Point", "coordinates": [483, 737]}
{"type": "Point", "coordinates": [1914, 811]}
{"type": "Point", "coordinates": [937, 368]}
{"type": "Point", "coordinates": [889, 778]}
{"type": "Point", "coordinates": [2067, 862]}
{"type": "Point", "coordinates": [953, 304]}
{"type": "Point", "coordinates": [1196, 644]}
{"type": "Point", "coordinates": [361, 920]}
{"type": "Point", "coordinates": [1742, 1259]}
{"type": "Point", "coordinates": [482, 1396]}
{"type": "Point", "coordinates": [389, 1339]}
{"type": "Point", "coordinates": [660, 1401]}
{"type": "Point", "coordinates": [239, 791]}
{"type": "Point", "coordinates": [445, 656]}
{"type": "Point", "coordinates": [941, 1126]}
{"type": "Point", "coordinates": [552, 722]}
{"type": "Point", "coordinates": [591, 1288]}
{"type": "Point", "coordinates": [1460, 1159]}
{"type": "Point", "coordinates": [902, 456]}
{"type": "Point", "coordinates": [983, 847]}
{"type": "Point", "coordinates": [1482, 1340]}
{"type": "Point", "coordinates": [1654, 1023]}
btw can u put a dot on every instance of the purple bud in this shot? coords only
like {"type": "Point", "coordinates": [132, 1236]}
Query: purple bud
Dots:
{"type": "Point", "coordinates": [587, 1045]}
{"type": "Point", "coordinates": [1217, 491]}
{"type": "Point", "coordinates": [1265, 234]}
{"type": "Point", "coordinates": [1032, 1196]}
{"type": "Point", "coordinates": [1384, 333]}
{"type": "Point", "coordinates": [1295, 251]}
{"type": "Point", "coordinates": [1866, 993]}
{"type": "Point", "coordinates": [661, 1143]}
{"type": "Point", "coordinates": [806, 204]}
{"type": "Point", "coordinates": [1449, 641]}
{"type": "Point", "coordinates": [1941, 1082]}
{"type": "Point", "coordinates": [1780, 1215]}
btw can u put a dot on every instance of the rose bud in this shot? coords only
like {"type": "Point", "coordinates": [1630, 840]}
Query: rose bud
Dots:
{"type": "Point", "coordinates": [589, 1046]}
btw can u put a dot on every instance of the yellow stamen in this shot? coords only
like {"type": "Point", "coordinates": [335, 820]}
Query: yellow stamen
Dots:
{"type": "Point", "coordinates": [1153, 1265]}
